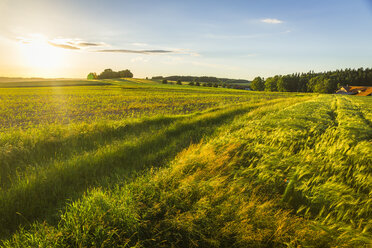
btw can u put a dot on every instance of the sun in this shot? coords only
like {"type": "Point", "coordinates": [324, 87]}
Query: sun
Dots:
{"type": "Point", "coordinates": [38, 53]}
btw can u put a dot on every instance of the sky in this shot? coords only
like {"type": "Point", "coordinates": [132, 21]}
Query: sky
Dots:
{"type": "Point", "coordinates": [234, 39]}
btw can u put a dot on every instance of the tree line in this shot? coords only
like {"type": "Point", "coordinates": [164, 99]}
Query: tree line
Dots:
{"type": "Point", "coordinates": [209, 84]}
{"type": "Point", "coordinates": [202, 79]}
{"type": "Point", "coordinates": [108, 73]}
{"type": "Point", "coordinates": [324, 82]}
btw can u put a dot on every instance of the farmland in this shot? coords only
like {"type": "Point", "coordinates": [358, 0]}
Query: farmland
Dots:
{"type": "Point", "coordinates": [22, 107]}
{"type": "Point", "coordinates": [136, 163]}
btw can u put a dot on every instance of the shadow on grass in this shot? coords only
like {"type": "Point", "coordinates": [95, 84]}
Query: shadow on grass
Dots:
{"type": "Point", "coordinates": [41, 195]}
{"type": "Point", "coordinates": [41, 153]}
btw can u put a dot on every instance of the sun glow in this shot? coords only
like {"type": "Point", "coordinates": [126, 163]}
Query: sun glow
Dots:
{"type": "Point", "coordinates": [38, 53]}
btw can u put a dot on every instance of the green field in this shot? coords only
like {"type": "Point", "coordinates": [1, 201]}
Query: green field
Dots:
{"type": "Point", "coordinates": [23, 83]}
{"type": "Point", "coordinates": [135, 163]}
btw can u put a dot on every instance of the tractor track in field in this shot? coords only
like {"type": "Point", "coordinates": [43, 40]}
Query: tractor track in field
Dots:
{"type": "Point", "coordinates": [359, 111]}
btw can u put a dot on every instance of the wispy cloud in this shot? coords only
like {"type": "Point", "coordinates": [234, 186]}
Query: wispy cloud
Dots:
{"type": "Point", "coordinates": [74, 43]}
{"type": "Point", "coordinates": [80, 44]}
{"type": "Point", "coordinates": [65, 43]}
{"type": "Point", "coordinates": [89, 44]}
{"type": "Point", "coordinates": [64, 46]}
{"type": "Point", "coordinates": [133, 51]}
{"type": "Point", "coordinates": [31, 39]}
{"type": "Point", "coordinates": [155, 51]}
{"type": "Point", "coordinates": [23, 41]}
{"type": "Point", "coordinates": [272, 21]}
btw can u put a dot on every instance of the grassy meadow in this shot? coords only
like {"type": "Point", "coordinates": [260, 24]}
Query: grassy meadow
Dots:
{"type": "Point", "coordinates": [135, 163]}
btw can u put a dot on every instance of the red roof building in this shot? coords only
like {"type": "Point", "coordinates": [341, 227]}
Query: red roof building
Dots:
{"type": "Point", "coordinates": [355, 90]}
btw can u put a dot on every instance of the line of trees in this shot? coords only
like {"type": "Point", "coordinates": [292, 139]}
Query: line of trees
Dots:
{"type": "Point", "coordinates": [219, 85]}
{"type": "Point", "coordinates": [108, 73]}
{"type": "Point", "coordinates": [325, 82]}
{"type": "Point", "coordinates": [216, 85]}
{"type": "Point", "coordinates": [202, 79]}
{"type": "Point", "coordinates": [204, 84]}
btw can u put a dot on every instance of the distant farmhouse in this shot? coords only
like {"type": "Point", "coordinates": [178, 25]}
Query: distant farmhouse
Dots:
{"type": "Point", "coordinates": [355, 90]}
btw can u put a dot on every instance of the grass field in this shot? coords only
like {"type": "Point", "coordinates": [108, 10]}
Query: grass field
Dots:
{"type": "Point", "coordinates": [17, 83]}
{"type": "Point", "coordinates": [126, 98]}
{"type": "Point", "coordinates": [141, 164]}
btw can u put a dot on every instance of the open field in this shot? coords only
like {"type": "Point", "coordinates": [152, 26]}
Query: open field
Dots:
{"type": "Point", "coordinates": [141, 164]}
{"type": "Point", "coordinates": [128, 98]}
{"type": "Point", "coordinates": [15, 83]}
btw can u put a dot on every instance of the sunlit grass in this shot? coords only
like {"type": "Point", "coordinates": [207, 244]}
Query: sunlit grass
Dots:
{"type": "Point", "coordinates": [248, 170]}
{"type": "Point", "coordinates": [30, 107]}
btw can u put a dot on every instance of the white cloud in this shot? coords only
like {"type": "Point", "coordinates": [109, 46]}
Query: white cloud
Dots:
{"type": "Point", "coordinates": [65, 43]}
{"type": "Point", "coordinates": [271, 21]}
{"type": "Point", "coordinates": [80, 44]}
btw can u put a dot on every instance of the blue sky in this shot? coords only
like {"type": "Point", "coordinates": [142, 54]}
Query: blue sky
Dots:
{"type": "Point", "coordinates": [237, 39]}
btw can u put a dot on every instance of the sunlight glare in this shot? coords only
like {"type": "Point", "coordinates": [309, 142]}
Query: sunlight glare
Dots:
{"type": "Point", "coordinates": [37, 53]}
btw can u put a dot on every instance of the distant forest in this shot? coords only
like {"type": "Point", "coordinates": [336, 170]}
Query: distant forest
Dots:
{"type": "Point", "coordinates": [203, 79]}
{"type": "Point", "coordinates": [325, 82]}
{"type": "Point", "coordinates": [108, 73]}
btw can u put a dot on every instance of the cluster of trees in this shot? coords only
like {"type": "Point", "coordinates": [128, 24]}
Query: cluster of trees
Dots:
{"type": "Point", "coordinates": [221, 85]}
{"type": "Point", "coordinates": [108, 73]}
{"type": "Point", "coordinates": [193, 83]}
{"type": "Point", "coordinates": [165, 81]}
{"type": "Point", "coordinates": [202, 79]}
{"type": "Point", "coordinates": [204, 84]}
{"type": "Point", "coordinates": [325, 82]}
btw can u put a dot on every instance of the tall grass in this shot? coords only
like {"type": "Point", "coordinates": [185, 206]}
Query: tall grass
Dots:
{"type": "Point", "coordinates": [100, 157]}
{"type": "Point", "coordinates": [291, 173]}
